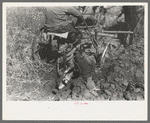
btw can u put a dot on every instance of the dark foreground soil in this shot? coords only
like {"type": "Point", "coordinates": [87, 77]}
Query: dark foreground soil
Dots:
{"type": "Point", "coordinates": [121, 78]}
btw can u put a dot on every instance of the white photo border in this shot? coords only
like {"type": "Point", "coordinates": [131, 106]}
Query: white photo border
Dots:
{"type": "Point", "coordinates": [94, 110]}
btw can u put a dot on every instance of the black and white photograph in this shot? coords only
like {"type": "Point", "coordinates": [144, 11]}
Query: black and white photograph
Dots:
{"type": "Point", "coordinates": [75, 53]}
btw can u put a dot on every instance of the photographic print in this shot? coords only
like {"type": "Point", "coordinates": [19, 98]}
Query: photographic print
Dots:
{"type": "Point", "coordinates": [75, 53]}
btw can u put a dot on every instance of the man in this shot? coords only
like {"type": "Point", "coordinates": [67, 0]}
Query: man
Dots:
{"type": "Point", "coordinates": [57, 20]}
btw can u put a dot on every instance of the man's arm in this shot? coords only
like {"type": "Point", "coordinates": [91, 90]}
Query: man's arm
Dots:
{"type": "Point", "coordinates": [74, 12]}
